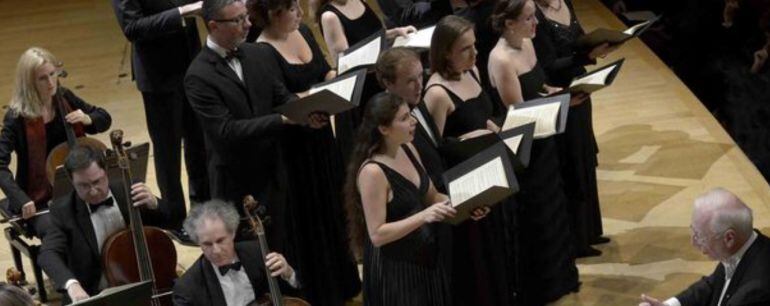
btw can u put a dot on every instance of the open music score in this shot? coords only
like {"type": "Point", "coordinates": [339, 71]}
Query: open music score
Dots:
{"type": "Point", "coordinates": [420, 39]}
{"type": "Point", "coordinates": [331, 97]}
{"type": "Point", "coordinates": [596, 79]}
{"type": "Point", "coordinates": [548, 113]}
{"type": "Point", "coordinates": [362, 54]}
{"type": "Point", "coordinates": [613, 37]}
{"type": "Point", "coordinates": [483, 180]}
{"type": "Point", "coordinates": [133, 294]}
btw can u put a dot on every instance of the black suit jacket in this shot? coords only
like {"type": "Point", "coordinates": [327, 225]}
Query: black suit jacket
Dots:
{"type": "Point", "coordinates": [428, 150]}
{"type": "Point", "coordinates": [14, 138]}
{"type": "Point", "coordinates": [750, 284]}
{"type": "Point", "coordinates": [162, 46]}
{"type": "Point", "coordinates": [239, 124]}
{"type": "Point", "coordinates": [69, 249]}
{"type": "Point", "coordinates": [199, 286]}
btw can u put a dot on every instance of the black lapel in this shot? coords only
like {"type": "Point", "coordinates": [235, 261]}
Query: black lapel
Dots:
{"type": "Point", "coordinates": [254, 270]}
{"type": "Point", "coordinates": [119, 195]}
{"type": "Point", "coordinates": [747, 261]}
{"type": "Point", "coordinates": [221, 67]}
{"type": "Point", "coordinates": [250, 75]}
{"type": "Point", "coordinates": [212, 283]}
{"type": "Point", "coordinates": [83, 220]}
{"type": "Point", "coordinates": [431, 124]}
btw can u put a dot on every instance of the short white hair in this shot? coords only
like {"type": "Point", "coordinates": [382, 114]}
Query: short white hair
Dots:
{"type": "Point", "coordinates": [726, 211]}
{"type": "Point", "coordinates": [212, 210]}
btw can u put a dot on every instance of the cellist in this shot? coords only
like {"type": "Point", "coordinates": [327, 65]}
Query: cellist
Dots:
{"type": "Point", "coordinates": [33, 127]}
{"type": "Point", "coordinates": [227, 273]}
{"type": "Point", "coordinates": [82, 221]}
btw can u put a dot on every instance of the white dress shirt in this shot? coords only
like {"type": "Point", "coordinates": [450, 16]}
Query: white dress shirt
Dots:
{"type": "Point", "coordinates": [237, 288]}
{"type": "Point", "coordinates": [234, 63]}
{"type": "Point", "coordinates": [424, 123]}
{"type": "Point", "coordinates": [730, 265]}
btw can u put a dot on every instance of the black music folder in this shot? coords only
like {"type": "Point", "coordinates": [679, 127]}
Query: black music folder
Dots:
{"type": "Point", "coordinates": [364, 54]}
{"type": "Point", "coordinates": [596, 79]}
{"type": "Point", "coordinates": [549, 114]}
{"type": "Point", "coordinates": [483, 180]}
{"type": "Point", "coordinates": [518, 140]}
{"type": "Point", "coordinates": [613, 37]}
{"type": "Point", "coordinates": [138, 155]}
{"type": "Point", "coordinates": [331, 97]}
{"type": "Point", "coordinates": [134, 294]}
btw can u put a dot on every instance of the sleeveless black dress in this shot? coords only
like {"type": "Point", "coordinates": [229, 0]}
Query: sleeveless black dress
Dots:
{"type": "Point", "coordinates": [356, 30]}
{"type": "Point", "coordinates": [547, 253]}
{"type": "Point", "coordinates": [406, 271]}
{"type": "Point", "coordinates": [480, 252]}
{"type": "Point", "coordinates": [562, 61]}
{"type": "Point", "coordinates": [316, 175]}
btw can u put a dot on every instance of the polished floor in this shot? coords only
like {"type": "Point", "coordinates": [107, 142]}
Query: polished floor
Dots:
{"type": "Point", "coordinates": [659, 147]}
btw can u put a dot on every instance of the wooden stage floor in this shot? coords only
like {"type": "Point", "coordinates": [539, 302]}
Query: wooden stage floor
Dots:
{"type": "Point", "coordinates": [659, 147]}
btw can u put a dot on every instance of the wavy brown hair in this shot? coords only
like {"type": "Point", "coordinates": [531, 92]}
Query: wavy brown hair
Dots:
{"type": "Point", "coordinates": [380, 111]}
{"type": "Point", "coordinates": [447, 31]}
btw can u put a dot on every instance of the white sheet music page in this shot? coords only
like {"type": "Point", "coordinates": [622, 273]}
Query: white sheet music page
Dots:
{"type": "Point", "coordinates": [596, 78]}
{"type": "Point", "coordinates": [419, 39]}
{"type": "Point", "coordinates": [366, 55]}
{"type": "Point", "coordinates": [513, 142]}
{"type": "Point", "coordinates": [544, 116]}
{"type": "Point", "coordinates": [632, 30]}
{"type": "Point", "coordinates": [343, 88]}
{"type": "Point", "coordinates": [477, 181]}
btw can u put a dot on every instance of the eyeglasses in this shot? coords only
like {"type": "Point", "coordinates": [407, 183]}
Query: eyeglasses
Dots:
{"type": "Point", "coordinates": [239, 20]}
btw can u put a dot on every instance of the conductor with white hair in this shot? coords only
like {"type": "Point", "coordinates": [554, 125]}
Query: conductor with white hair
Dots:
{"type": "Point", "coordinates": [722, 229]}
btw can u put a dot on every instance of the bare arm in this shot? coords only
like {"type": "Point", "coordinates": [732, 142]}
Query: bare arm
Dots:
{"type": "Point", "coordinates": [439, 106]}
{"type": "Point", "coordinates": [334, 34]}
{"type": "Point", "coordinates": [504, 76]}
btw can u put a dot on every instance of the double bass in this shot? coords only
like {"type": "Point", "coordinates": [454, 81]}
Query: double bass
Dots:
{"type": "Point", "coordinates": [274, 298]}
{"type": "Point", "coordinates": [137, 253]}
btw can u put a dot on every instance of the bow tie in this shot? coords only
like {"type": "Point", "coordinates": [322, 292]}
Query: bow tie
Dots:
{"type": "Point", "coordinates": [106, 203]}
{"type": "Point", "coordinates": [231, 54]}
{"type": "Point", "coordinates": [236, 266]}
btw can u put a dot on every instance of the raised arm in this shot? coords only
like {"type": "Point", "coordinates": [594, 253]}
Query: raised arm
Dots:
{"type": "Point", "coordinates": [137, 24]}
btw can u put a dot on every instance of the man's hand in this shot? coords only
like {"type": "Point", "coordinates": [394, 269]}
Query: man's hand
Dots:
{"type": "Point", "coordinates": [76, 292]}
{"type": "Point", "coordinates": [191, 9]}
{"type": "Point", "coordinates": [142, 196]}
{"type": "Point", "coordinates": [277, 265]}
{"type": "Point", "coordinates": [28, 210]}
{"type": "Point", "coordinates": [78, 116]}
{"type": "Point", "coordinates": [650, 301]}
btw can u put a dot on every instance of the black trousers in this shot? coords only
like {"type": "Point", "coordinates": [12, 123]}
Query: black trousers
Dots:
{"type": "Point", "coordinates": [170, 121]}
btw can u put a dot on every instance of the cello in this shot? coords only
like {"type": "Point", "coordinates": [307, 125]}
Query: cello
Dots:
{"type": "Point", "coordinates": [137, 253]}
{"type": "Point", "coordinates": [274, 298]}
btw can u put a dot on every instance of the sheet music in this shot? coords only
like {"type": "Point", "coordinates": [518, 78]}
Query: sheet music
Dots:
{"type": "Point", "coordinates": [513, 142]}
{"type": "Point", "coordinates": [632, 30]}
{"type": "Point", "coordinates": [596, 78]}
{"type": "Point", "coordinates": [544, 116]}
{"type": "Point", "coordinates": [366, 55]}
{"type": "Point", "coordinates": [640, 15]}
{"type": "Point", "coordinates": [343, 88]}
{"type": "Point", "coordinates": [477, 181]}
{"type": "Point", "coordinates": [419, 39]}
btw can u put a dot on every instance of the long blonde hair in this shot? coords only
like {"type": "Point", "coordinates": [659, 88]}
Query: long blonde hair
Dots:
{"type": "Point", "coordinates": [26, 100]}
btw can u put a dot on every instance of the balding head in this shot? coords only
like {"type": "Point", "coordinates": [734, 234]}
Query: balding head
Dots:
{"type": "Point", "coordinates": [721, 222]}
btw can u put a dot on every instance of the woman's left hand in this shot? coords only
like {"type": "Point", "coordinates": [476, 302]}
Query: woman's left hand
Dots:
{"type": "Point", "coordinates": [78, 116]}
{"type": "Point", "coordinates": [479, 213]}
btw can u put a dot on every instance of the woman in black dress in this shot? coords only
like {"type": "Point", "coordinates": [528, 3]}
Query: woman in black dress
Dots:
{"type": "Point", "coordinates": [33, 127]}
{"type": "Point", "coordinates": [555, 45]}
{"type": "Point", "coordinates": [392, 209]}
{"type": "Point", "coordinates": [547, 259]}
{"type": "Point", "coordinates": [314, 163]}
{"type": "Point", "coordinates": [461, 109]}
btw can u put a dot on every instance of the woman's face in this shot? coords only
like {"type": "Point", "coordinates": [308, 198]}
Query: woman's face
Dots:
{"type": "Point", "coordinates": [288, 19]}
{"type": "Point", "coordinates": [462, 55]}
{"type": "Point", "coordinates": [526, 24]}
{"type": "Point", "coordinates": [401, 129]}
{"type": "Point", "coordinates": [46, 77]}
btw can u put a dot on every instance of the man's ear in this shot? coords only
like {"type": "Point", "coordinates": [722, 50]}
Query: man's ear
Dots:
{"type": "Point", "coordinates": [729, 238]}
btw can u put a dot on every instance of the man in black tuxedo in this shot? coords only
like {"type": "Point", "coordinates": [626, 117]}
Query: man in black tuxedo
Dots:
{"type": "Point", "coordinates": [165, 40]}
{"type": "Point", "coordinates": [227, 273]}
{"type": "Point", "coordinates": [82, 221]}
{"type": "Point", "coordinates": [232, 92]}
{"type": "Point", "coordinates": [722, 229]}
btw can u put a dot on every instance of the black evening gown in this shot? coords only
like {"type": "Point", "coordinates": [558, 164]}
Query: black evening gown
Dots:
{"type": "Point", "coordinates": [316, 174]}
{"type": "Point", "coordinates": [406, 271]}
{"type": "Point", "coordinates": [480, 265]}
{"type": "Point", "coordinates": [356, 30]}
{"type": "Point", "coordinates": [556, 52]}
{"type": "Point", "coordinates": [547, 253]}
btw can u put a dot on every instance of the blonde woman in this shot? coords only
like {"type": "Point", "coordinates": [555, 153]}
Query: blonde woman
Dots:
{"type": "Point", "coordinates": [33, 126]}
